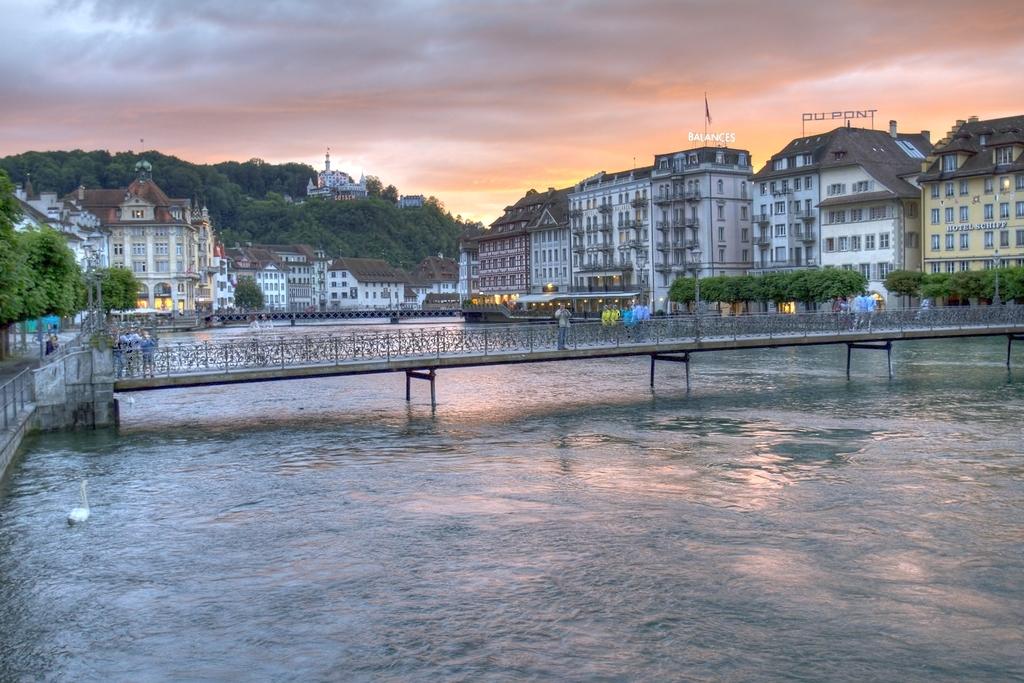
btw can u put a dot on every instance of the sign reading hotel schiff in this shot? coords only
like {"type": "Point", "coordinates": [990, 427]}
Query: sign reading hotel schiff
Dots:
{"type": "Point", "coordinates": [991, 225]}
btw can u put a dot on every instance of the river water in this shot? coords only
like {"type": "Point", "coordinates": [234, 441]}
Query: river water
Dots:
{"type": "Point", "coordinates": [558, 521]}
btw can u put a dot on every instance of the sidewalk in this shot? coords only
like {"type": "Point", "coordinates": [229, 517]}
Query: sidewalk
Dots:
{"type": "Point", "coordinates": [20, 360]}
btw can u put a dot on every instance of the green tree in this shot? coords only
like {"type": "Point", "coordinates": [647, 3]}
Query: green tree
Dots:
{"type": "Point", "coordinates": [390, 194]}
{"type": "Point", "coordinates": [248, 294]}
{"type": "Point", "coordinates": [374, 186]}
{"type": "Point", "coordinates": [120, 289]}
{"type": "Point", "coordinates": [936, 286]}
{"type": "Point", "coordinates": [683, 290]}
{"type": "Point", "coordinates": [55, 286]}
{"type": "Point", "coordinates": [1011, 283]}
{"type": "Point", "coordinates": [968, 284]}
{"type": "Point", "coordinates": [904, 282]}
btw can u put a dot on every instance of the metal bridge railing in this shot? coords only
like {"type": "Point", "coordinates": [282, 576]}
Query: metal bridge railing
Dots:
{"type": "Point", "coordinates": [14, 394]}
{"type": "Point", "coordinates": [263, 350]}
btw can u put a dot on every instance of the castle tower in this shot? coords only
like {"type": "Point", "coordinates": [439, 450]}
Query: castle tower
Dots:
{"type": "Point", "coordinates": [327, 160]}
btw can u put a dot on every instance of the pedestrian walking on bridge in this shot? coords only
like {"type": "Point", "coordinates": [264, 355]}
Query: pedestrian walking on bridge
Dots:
{"type": "Point", "coordinates": [562, 315]}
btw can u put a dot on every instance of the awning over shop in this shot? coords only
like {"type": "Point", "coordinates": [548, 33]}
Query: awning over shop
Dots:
{"type": "Point", "coordinates": [537, 298]}
{"type": "Point", "coordinates": [574, 296]}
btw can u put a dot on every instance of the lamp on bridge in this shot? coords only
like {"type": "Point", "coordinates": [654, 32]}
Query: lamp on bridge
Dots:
{"type": "Point", "coordinates": [641, 275]}
{"type": "Point", "coordinates": [94, 286]}
{"type": "Point", "coordinates": [997, 263]}
{"type": "Point", "coordinates": [695, 263]}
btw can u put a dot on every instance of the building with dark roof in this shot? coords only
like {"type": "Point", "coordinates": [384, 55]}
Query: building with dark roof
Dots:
{"type": "Point", "coordinates": [265, 268]}
{"type": "Point", "coordinates": [365, 283]}
{"type": "Point", "coordinates": [847, 199]}
{"type": "Point", "coordinates": [166, 242]}
{"type": "Point", "coordinates": [973, 196]}
{"type": "Point", "coordinates": [505, 249]}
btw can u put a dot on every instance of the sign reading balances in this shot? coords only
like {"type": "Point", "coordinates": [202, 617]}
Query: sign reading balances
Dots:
{"type": "Point", "coordinates": [991, 225]}
{"type": "Point", "coordinates": [725, 138]}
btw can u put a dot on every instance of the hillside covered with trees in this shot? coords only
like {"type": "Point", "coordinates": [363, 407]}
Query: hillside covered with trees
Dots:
{"type": "Point", "coordinates": [254, 201]}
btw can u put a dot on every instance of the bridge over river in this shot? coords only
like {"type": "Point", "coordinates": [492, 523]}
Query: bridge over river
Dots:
{"type": "Point", "coordinates": [420, 353]}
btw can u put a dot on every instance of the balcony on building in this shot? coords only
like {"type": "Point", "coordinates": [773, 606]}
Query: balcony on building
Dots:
{"type": "Point", "coordinates": [763, 239]}
{"type": "Point", "coordinates": [762, 218]}
{"type": "Point", "coordinates": [577, 229]}
{"type": "Point", "coordinates": [692, 195]}
{"type": "Point", "coordinates": [805, 235]}
{"type": "Point", "coordinates": [668, 197]}
{"type": "Point", "coordinates": [784, 266]}
{"type": "Point", "coordinates": [691, 222]}
{"type": "Point", "coordinates": [782, 190]}
{"type": "Point", "coordinates": [639, 202]}
{"type": "Point", "coordinates": [605, 208]}
{"type": "Point", "coordinates": [663, 267]}
{"type": "Point", "coordinates": [806, 216]}
{"type": "Point", "coordinates": [664, 225]}
{"type": "Point", "coordinates": [575, 213]}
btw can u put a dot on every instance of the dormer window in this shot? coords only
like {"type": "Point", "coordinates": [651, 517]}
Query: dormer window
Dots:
{"type": "Point", "coordinates": [948, 162]}
{"type": "Point", "coordinates": [138, 213]}
{"type": "Point", "coordinates": [1004, 155]}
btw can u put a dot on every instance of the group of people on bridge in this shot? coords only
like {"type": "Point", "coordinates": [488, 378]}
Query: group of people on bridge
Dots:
{"type": "Point", "coordinates": [857, 313]}
{"type": "Point", "coordinates": [134, 353]}
{"type": "Point", "coordinates": [611, 316]}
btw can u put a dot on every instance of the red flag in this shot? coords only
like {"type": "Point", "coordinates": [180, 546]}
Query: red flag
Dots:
{"type": "Point", "coordinates": [707, 110]}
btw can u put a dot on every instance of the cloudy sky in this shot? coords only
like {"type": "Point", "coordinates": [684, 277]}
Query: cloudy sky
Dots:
{"type": "Point", "coordinates": [475, 102]}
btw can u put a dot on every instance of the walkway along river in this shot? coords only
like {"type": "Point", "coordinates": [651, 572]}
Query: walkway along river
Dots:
{"type": "Point", "coordinates": [556, 521]}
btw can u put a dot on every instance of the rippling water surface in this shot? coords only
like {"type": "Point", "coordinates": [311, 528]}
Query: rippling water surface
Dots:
{"type": "Point", "coordinates": [559, 521]}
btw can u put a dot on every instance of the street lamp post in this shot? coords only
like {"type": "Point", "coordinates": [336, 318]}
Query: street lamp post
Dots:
{"type": "Point", "coordinates": [641, 264]}
{"type": "Point", "coordinates": [95, 289]}
{"type": "Point", "coordinates": [696, 254]}
{"type": "Point", "coordinates": [996, 263]}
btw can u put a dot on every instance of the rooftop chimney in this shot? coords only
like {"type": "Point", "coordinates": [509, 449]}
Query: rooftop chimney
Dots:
{"type": "Point", "coordinates": [892, 128]}
{"type": "Point", "coordinates": [927, 135]}
{"type": "Point", "coordinates": [81, 193]}
{"type": "Point", "coordinates": [973, 119]}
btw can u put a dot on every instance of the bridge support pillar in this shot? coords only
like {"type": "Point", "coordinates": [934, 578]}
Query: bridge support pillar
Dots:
{"type": "Point", "coordinates": [685, 359]}
{"type": "Point", "coordinates": [1010, 338]}
{"type": "Point", "coordinates": [880, 346]}
{"type": "Point", "coordinates": [429, 375]}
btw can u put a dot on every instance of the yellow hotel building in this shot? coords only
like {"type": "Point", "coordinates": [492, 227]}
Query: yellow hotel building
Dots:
{"type": "Point", "coordinates": [972, 196]}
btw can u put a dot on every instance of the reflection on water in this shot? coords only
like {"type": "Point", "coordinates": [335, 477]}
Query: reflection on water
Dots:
{"type": "Point", "coordinates": [556, 521]}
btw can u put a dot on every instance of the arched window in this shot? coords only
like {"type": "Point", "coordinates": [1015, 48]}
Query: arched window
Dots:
{"type": "Point", "coordinates": [721, 187]}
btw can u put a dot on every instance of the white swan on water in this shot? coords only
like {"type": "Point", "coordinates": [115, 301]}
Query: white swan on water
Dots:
{"type": "Point", "coordinates": [80, 514]}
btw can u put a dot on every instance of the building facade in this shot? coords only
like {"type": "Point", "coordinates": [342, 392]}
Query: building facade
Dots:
{"type": "Point", "coordinates": [973, 197]}
{"type": "Point", "coordinates": [152, 235]}
{"type": "Point", "coordinates": [702, 216]}
{"type": "Point", "coordinates": [365, 284]}
{"type": "Point", "coordinates": [469, 264]}
{"type": "Point", "coordinates": [609, 215]}
{"type": "Point", "coordinates": [82, 230]}
{"type": "Point", "coordinates": [266, 269]}
{"type": "Point", "coordinates": [847, 199]}
{"type": "Point", "coordinates": [300, 262]}
{"type": "Point", "coordinates": [505, 250]}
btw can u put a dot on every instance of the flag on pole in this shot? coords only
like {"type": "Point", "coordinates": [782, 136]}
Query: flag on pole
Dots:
{"type": "Point", "coordinates": [707, 110]}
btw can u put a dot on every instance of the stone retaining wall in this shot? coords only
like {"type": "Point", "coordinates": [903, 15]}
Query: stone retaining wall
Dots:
{"type": "Point", "coordinates": [11, 438]}
{"type": "Point", "coordinates": [76, 391]}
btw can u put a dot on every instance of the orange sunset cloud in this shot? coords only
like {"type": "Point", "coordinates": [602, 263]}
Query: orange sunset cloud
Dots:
{"type": "Point", "coordinates": [477, 102]}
